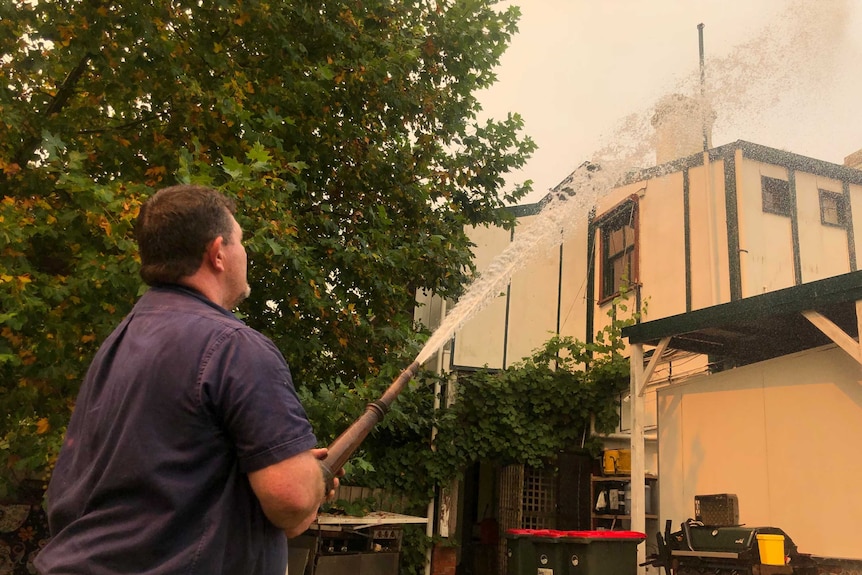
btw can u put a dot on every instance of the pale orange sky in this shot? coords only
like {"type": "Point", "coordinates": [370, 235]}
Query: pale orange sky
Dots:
{"type": "Point", "coordinates": [782, 73]}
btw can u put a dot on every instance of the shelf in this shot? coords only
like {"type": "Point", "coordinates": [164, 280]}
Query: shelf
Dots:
{"type": "Point", "coordinates": [612, 516]}
{"type": "Point", "coordinates": [604, 482]}
{"type": "Point", "coordinates": [622, 478]}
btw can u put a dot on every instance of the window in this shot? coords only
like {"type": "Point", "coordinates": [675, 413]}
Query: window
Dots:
{"type": "Point", "coordinates": [618, 241]}
{"type": "Point", "coordinates": [776, 196]}
{"type": "Point", "coordinates": [833, 210]}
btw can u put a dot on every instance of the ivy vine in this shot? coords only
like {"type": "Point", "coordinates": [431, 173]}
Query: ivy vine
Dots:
{"type": "Point", "coordinates": [546, 404]}
{"type": "Point", "coordinates": [528, 413]}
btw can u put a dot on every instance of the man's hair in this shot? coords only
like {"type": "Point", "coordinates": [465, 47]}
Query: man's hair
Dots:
{"type": "Point", "coordinates": [174, 228]}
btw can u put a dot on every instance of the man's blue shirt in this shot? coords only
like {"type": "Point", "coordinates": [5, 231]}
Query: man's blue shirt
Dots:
{"type": "Point", "coordinates": [180, 403]}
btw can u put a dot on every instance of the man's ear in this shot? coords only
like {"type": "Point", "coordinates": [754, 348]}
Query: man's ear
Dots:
{"type": "Point", "coordinates": [215, 254]}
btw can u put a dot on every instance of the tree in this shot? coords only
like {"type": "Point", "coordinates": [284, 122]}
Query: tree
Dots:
{"type": "Point", "coordinates": [347, 131]}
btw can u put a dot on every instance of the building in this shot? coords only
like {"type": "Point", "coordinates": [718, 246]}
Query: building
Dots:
{"type": "Point", "coordinates": [750, 377]}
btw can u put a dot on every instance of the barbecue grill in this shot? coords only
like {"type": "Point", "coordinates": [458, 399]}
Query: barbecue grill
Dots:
{"type": "Point", "coordinates": [697, 549]}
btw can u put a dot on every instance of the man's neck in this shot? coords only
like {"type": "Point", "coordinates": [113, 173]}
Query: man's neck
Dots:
{"type": "Point", "coordinates": [208, 289]}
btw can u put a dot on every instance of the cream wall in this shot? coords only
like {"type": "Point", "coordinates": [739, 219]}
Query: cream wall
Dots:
{"type": "Point", "coordinates": [783, 435]}
{"type": "Point", "coordinates": [534, 295]}
{"type": "Point", "coordinates": [480, 341]}
{"type": "Point", "coordinates": [822, 249]}
{"type": "Point", "coordinates": [662, 247]}
{"type": "Point", "coordinates": [765, 240]}
{"type": "Point", "coordinates": [573, 289]}
{"type": "Point", "coordinates": [605, 205]}
{"type": "Point", "coordinates": [707, 220]}
{"type": "Point", "coordinates": [533, 304]}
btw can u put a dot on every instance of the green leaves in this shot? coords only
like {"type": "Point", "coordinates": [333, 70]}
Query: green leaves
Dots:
{"type": "Point", "coordinates": [536, 408]}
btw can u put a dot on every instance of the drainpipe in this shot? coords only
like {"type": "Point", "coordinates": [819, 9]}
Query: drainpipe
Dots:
{"type": "Point", "coordinates": [702, 89]}
{"type": "Point", "coordinates": [626, 436]}
{"type": "Point", "coordinates": [637, 477]}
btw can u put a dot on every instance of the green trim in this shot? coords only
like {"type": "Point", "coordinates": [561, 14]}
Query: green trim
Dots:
{"type": "Point", "coordinates": [755, 152]}
{"type": "Point", "coordinates": [794, 227]}
{"type": "Point", "coordinates": [750, 150]}
{"type": "Point", "coordinates": [686, 219]}
{"type": "Point", "coordinates": [851, 238]}
{"type": "Point", "coordinates": [506, 316]}
{"type": "Point", "coordinates": [798, 163]}
{"type": "Point", "coordinates": [560, 290]}
{"type": "Point", "coordinates": [591, 277]}
{"type": "Point", "coordinates": [527, 209]}
{"type": "Point", "coordinates": [733, 264]}
{"type": "Point", "coordinates": [812, 295]}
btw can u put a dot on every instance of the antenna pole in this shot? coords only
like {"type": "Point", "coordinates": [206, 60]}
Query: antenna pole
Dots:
{"type": "Point", "coordinates": [702, 89]}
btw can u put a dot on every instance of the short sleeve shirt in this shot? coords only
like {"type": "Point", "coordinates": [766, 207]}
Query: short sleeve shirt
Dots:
{"type": "Point", "coordinates": [181, 402]}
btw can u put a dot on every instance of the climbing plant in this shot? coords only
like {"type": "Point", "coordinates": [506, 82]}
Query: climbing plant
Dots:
{"type": "Point", "coordinates": [538, 407]}
{"type": "Point", "coordinates": [528, 413]}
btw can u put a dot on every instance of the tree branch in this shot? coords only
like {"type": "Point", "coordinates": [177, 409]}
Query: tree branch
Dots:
{"type": "Point", "coordinates": [61, 98]}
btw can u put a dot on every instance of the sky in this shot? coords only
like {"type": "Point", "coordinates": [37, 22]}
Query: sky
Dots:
{"type": "Point", "coordinates": [585, 74]}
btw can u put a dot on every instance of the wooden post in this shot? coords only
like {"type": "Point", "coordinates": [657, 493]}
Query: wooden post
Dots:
{"type": "Point", "coordinates": [638, 477]}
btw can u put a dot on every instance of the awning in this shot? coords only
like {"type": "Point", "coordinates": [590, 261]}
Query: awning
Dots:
{"type": "Point", "coordinates": [759, 327]}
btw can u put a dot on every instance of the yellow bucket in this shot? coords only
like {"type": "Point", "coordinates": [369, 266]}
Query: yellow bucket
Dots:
{"type": "Point", "coordinates": [771, 548]}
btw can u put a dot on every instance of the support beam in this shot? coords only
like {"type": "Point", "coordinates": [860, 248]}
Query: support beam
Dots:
{"type": "Point", "coordinates": [638, 377]}
{"type": "Point", "coordinates": [859, 319]}
{"type": "Point", "coordinates": [638, 477]}
{"type": "Point", "coordinates": [836, 334]}
{"type": "Point", "coordinates": [653, 362]}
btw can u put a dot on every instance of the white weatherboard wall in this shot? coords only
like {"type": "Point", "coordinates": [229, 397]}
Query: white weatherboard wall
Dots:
{"type": "Point", "coordinates": [481, 341]}
{"type": "Point", "coordinates": [707, 221]}
{"type": "Point", "coordinates": [823, 249]}
{"type": "Point", "coordinates": [532, 317]}
{"type": "Point", "coordinates": [783, 435]}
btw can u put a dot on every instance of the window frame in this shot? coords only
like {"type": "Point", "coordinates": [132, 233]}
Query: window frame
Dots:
{"type": "Point", "coordinates": [840, 208]}
{"type": "Point", "coordinates": [622, 216]}
{"type": "Point", "coordinates": [779, 190]}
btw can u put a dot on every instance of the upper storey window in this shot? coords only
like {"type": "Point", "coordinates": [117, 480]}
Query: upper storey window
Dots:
{"type": "Point", "coordinates": [618, 232]}
{"type": "Point", "coordinates": [833, 209]}
{"type": "Point", "coordinates": [776, 196]}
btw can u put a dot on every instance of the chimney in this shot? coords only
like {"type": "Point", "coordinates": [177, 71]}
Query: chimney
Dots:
{"type": "Point", "coordinates": [680, 127]}
{"type": "Point", "coordinates": [854, 160]}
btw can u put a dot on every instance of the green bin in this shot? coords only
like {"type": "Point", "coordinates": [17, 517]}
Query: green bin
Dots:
{"type": "Point", "coordinates": [521, 549]}
{"type": "Point", "coordinates": [548, 552]}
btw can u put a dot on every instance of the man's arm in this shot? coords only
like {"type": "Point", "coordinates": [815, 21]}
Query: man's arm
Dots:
{"type": "Point", "coordinates": [291, 491]}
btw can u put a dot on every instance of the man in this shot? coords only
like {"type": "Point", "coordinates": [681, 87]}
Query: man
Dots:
{"type": "Point", "coordinates": [188, 450]}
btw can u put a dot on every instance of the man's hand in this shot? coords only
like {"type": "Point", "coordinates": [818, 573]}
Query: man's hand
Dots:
{"type": "Point", "coordinates": [331, 484]}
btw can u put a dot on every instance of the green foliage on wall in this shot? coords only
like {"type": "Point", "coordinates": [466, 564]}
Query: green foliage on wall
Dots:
{"type": "Point", "coordinates": [527, 413]}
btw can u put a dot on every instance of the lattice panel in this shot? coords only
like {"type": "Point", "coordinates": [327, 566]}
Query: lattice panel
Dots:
{"type": "Point", "coordinates": [539, 499]}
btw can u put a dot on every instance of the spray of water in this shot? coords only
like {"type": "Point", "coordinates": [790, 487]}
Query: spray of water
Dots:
{"type": "Point", "coordinates": [792, 57]}
{"type": "Point", "coordinates": [764, 89]}
{"type": "Point", "coordinates": [550, 227]}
